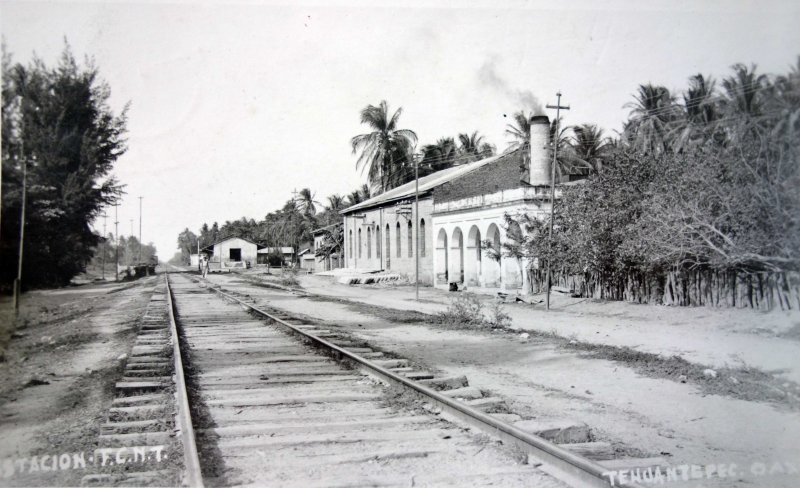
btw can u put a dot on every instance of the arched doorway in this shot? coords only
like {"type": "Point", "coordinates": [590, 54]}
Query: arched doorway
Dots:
{"type": "Point", "coordinates": [513, 266]}
{"type": "Point", "coordinates": [491, 266]}
{"type": "Point", "coordinates": [441, 258]}
{"type": "Point", "coordinates": [457, 248]}
{"type": "Point", "coordinates": [474, 257]}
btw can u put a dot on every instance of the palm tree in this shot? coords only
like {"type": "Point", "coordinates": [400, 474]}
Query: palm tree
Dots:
{"type": "Point", "coordinates": [306, 203]}
{"type": "Point", "coordinates": [785, 101]}
{"type": "Point", "coordinates": [743, 95]}
{"type": "Point", "coordinates": [568, 161]}
{"type": "Point", "coordinates": [699, 113]}
{"type": "Point", "coordinates": [332, 213]}
{"type": "Point", "coordinates": [520, 133]}
{"type": "Point", "coordinates": [354, 198]}
{"type": "Point", "coordinates": [473, 147]}
{"type": "Point", "coordinates": [335, 203]}
{"type": "Point", "coordinates": [520, 136]}
{"type": "Point", "coordinates": [436, 157]}
{"type": "Point", "coordinates": [365, 192]}
{"type": "Point", "coordinates": [358, 195]}
{"type": "Point", "coordinates": [386, 151]}
{"type": "Point", "coordinates": [589, 146]}
{"type": "Point", "coordinates": [651, 112]}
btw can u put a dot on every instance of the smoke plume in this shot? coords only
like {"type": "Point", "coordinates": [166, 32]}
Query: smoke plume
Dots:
{"type": "Point", "coordinates": [524, 99]}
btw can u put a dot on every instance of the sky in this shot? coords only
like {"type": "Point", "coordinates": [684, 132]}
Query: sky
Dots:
{"type": "Point", "coordinates": [233, 105]}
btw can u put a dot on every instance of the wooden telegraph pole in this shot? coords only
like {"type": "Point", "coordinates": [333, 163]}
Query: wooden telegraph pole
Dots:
{"type": "Point", "coordinates": [105, 238]}
{"type": "Point", "coordinates": [558, 108]}
{"type": "Point", "coordinates": [116, 243]}
{"type": "Point", "coordinates": [140, 230]}
{"type": "Point", "coordinates": [18, 281]}
{"type": "Point", "coordinates": [416, 226]}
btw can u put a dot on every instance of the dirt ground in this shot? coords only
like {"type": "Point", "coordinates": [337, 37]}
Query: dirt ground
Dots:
{"type": "Point", "coordinates": [541, 378]}
{"type": "Point", "coordinates": [719, 337]}
{"type": "Point", "coordinates": [61, 363]}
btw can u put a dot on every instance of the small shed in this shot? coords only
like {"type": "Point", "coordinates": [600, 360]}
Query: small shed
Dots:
{"type": "Point", "coordinates": [286, 252]}
{"type": "Point", "coordinates": [232, 252]}
{"type": "Point", "coordinates": [307, 260]}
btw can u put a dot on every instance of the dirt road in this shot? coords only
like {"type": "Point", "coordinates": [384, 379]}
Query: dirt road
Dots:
{"type": "Point", "coordinates": [58, 377]}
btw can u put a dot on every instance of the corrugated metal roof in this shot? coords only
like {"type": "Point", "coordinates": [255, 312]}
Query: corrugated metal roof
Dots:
{"type": "Point", "coordinates": [425, 183]}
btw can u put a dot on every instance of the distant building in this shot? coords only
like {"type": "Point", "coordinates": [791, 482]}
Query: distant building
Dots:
{"type": "Point", "coordinates": [307, 259]}
{"type": "Point", "coordinates": [326, 237]}
{"type": "Point", "coordinates": [286, 252]}
{"type": "Point", "coordinates": [232, 252]}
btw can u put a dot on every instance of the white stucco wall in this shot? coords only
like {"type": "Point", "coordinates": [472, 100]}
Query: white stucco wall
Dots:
{"type": "Point", "coordinates": [222, 250]}
{"type": "Point", "coordinates": [477, 220]}
{"type": "Point", "coordinates": [374, 255]}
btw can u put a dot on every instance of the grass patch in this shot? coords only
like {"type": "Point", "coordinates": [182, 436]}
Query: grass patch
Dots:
{"type": "Point", "coordinates": [468, 311]}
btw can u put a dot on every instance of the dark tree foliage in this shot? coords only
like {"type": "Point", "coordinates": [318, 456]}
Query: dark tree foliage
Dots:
{"type": "Point", "coordinates": [187, 244]}
{"type": "Point", "coordinates": [57, 120]}
{"type": "Point", "coordinates": [720, 194]}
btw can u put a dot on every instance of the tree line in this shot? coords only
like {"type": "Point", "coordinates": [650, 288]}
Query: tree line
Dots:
{"type": "Point", "coordinates": [128, 250]}
{"type": "Point", "coordinates": [60, 138]}
{"type": "Point", "coordinates": [697, 201]}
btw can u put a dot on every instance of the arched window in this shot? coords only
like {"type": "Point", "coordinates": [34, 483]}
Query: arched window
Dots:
{"type": "Point", "coordinates": [410, 240]}
{"type": "Point", "coordinates": [397, 240]}
{"type": "Point", "coordinates": [378, 242]}
{"type": "Point", "coordinates": [388, 247]}
{"type": "Point", "coordinates": [359, 243]}
{"type": "Point", "coordinates": [369, 242]}
{"type": "Point", "coordinates": [421, 243]}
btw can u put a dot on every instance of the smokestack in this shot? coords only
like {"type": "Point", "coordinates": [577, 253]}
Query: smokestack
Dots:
{"type": "Point", "coordinates": [539, 167]}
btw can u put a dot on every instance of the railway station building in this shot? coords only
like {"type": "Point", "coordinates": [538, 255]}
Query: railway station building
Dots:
{"type": "Point", "coordinates": [232, 252]}
{"type": "Point", "coordinates": [461, 213]}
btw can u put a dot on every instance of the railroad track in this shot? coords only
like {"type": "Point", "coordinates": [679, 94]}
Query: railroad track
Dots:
{"type": "Point", "coordinates": [138, 444]}
{"type": "Point", "coordinates": [288, 404]}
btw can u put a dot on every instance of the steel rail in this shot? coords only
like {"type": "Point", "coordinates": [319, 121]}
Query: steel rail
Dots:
{"type": "Point", "coordinates": [192, 474]}
{"type": "Point", "coordinates": [555, 460]}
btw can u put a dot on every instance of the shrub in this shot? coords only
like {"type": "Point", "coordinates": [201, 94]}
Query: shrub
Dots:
{"type": "Point", "coordinates": [467, 311]}
{"type": "Point", "coordinates": [498, 318]}
{"type": "Point", "coordinates": [289, 278]}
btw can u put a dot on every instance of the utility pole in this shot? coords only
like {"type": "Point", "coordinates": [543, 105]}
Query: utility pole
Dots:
{"type": "Point", "coordinates": [140, 230]}
{"type": "Point", "coordinates": [116, 243]}
{"type": "Point", "coordinates": [105, 238]}
{"type": "Point", "coordinates": [416, 225]}
{"type": "Point", "coordinates": [18, 281]}
{"type": "Point", "coordinates": [296, 240]}
{"type": "Point", "coordinates": [558, 109]}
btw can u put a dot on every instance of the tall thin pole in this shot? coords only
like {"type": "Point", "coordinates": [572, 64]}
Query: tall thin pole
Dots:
{"type": "Point", "coordinates": [116, 243]}
{"type": "Point", "coordinates": [18, 281]}
{"type": "Point", "coordinates": [558, 108]}
{"type": "Point", "coordinates": [416, 218]}
{"type": "Point", "coordinates": [140, 230]}
{"type": "Point", "coordinates": [105, 238]}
